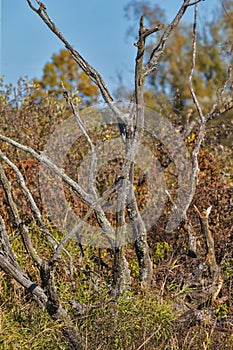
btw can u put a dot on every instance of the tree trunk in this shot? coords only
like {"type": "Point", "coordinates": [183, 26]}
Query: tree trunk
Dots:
{"type": "Point", "coordinates": [121, 273]}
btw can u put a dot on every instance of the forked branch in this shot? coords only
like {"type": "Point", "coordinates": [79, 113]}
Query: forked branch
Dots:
{"type": "Point", "coordinates": [151, 66]}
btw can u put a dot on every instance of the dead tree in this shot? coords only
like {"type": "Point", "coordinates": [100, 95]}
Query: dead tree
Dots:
{"type": "Point", "coordinates": [132, 125]}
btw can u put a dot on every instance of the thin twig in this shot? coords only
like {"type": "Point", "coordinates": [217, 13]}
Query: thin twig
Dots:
{"type": "Point", "coordinates": [194, 3]}
{"type": "Point", "coordinates": [149, 338]}
{"type": "Point", "coordinates": [210, 116]}
{"type": "Point", "coordinates": [194, 53]}
{"type": "Point", "coordinates": [91, 182]}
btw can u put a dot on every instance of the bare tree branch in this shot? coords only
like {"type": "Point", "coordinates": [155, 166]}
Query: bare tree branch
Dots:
{"type": "Point", "coordinates": [91, 183]}
{"type": "Point", "coordinates": [151, 66]}
{"type": "Point", "coordinates": [226, 107]}
{"type": "Point", "coordinates": [194, 3]}
{"type": "Point", "coordinates": [26, 191]}
{"type": "Point", "coordinates": [7, 188]}
{"type": "Point", "coordinates": [5, 242]}
{"type": "Point", "coordinates": [18, 221]}
{"type": "Point", "coordinates": [86, 67]}
{"type": "Point", "coordinates": [209, 116]}
{"type": "Point", "coordinates": [194, 53]}
{"type": "Point", "coordinates": [58, 313]}
{"type": "Point", "coordinates": [201, 133]}
{"type": "Point", "coordinates": [87, 198]}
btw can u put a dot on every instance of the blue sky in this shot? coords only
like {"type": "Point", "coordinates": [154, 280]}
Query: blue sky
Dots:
{"type": "Point", "coordinates": [97, 29]}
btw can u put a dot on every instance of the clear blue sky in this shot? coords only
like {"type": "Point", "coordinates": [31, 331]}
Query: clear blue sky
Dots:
{"type": "Point", "coordinates": [96, 28]}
